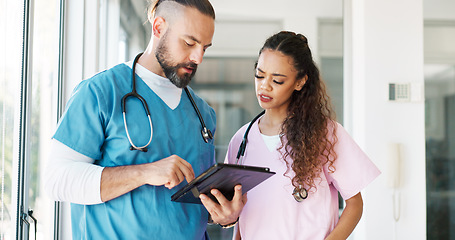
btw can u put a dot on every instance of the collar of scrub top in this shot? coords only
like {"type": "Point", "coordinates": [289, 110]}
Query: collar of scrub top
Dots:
{"type": "Point", "coordinates": [299, 193]}
{"type": "Point", "coordinates": [206, 133]}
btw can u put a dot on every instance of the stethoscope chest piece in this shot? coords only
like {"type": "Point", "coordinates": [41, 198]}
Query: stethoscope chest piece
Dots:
{"type": "Point", "coordinates": [206, 134]}
{"type": "Point", "coordinates": [300, 194]}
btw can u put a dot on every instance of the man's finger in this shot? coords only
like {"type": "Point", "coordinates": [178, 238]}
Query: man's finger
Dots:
{"type": "Point", "coordinates": [175, 179]}
{"type": "Point", "coordinates": [185, 168]}
{"type": "Point", "coordinates": [187, 171]}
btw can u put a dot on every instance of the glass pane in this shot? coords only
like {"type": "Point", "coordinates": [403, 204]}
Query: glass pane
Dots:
{"type": "Point", "coordinates": [227, 84]}
{"type": "Point", "coordinates": [439, 70]}
{"type": "Point", "coordinates": [42, 111]}
{"type": "Point", "coordinates": [10, 78]}
{"type": "Point", "coordinates": [440, 150]}
{"type": "Point", "coordinates": [332, 73]}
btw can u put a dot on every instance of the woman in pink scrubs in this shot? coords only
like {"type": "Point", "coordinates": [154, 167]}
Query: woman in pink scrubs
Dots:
{"type": "Point", "coordinates": [313, 156]}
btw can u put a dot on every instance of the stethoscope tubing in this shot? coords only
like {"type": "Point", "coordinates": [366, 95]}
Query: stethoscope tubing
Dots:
{"type": "Point", "coordinates": [133, 93]}
{"type": "Point", "coordinates": [206, 133]}
{"type": "Point", "coordinates": [242, 146]}
{"type": "Point", "coordinates": [299, 193]}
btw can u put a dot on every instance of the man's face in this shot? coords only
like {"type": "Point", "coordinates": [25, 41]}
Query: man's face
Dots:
{"type": "Point", "coordinates": [171, 69]}
{"type": "Point", "coordinates": [183, 45]}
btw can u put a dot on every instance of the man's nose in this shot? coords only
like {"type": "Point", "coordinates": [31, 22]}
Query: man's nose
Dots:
{"type": "Point", "coordinates": [197, 55]}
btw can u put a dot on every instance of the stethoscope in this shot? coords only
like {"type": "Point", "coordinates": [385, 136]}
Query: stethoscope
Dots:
{"type": "Point", "coordinates": [299, 193]}
{"type": "Point", "coordinates": [206, 133]}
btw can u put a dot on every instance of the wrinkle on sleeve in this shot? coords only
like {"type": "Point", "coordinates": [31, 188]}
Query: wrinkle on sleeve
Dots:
{"type": "Point", "coordinates": [353, 168]}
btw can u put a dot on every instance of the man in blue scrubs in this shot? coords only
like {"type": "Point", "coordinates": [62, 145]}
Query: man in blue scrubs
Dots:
{"type": "Point", "coordinates": [118, 193]}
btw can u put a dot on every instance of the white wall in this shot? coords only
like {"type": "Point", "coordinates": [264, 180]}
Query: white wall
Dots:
{"type": "Point", "coordinates": [295, 15]}
{"type": "Point", "coordinates": [439, 9]}
{"type": "Point", "coordinates": [385, 45]}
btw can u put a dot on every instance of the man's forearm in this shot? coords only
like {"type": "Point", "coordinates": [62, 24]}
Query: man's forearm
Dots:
{"type": "Point", "coordinates": [116, 181]}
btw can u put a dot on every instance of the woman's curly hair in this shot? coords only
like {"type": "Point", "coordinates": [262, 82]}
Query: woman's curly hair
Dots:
{"type": "Point", "coordinates": [305, 135]}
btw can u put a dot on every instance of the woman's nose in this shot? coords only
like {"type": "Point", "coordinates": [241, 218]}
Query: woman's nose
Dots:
{"type": "Point", "coordinates": [265, 84]}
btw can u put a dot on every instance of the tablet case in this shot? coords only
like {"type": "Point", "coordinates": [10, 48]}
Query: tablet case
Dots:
{"type": "Point", "coordinates": [222, 177]}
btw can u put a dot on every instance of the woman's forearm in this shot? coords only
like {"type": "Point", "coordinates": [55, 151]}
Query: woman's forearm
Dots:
{"type": "Point", "coordinates": [349, 218]}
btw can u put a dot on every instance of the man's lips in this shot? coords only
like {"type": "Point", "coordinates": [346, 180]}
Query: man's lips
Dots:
{"type": "Point", "coordinates": [188, 69]}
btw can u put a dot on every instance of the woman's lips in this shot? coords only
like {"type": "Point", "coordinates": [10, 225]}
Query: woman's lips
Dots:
{"type": "Point", "coordinates": [264, 98]}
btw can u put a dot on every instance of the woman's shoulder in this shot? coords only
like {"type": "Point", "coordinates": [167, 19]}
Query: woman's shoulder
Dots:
{"type": "Point", "coordinates": [337, 129]}
{"type": "Point", "coordinates": [238, 136]}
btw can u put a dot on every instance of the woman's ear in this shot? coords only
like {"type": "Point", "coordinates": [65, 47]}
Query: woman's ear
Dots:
{"type": "Point", "coordinates": [301, 82]}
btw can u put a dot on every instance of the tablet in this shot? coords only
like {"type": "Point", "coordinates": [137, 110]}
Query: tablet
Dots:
{"type": "Point", "coordinates": [222, 177]}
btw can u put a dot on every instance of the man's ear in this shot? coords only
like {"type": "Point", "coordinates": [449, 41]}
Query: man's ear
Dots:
{"type": "Point", "coordinates": [301, 82]}
{"type": "Point", "coordinates": [159, 27]}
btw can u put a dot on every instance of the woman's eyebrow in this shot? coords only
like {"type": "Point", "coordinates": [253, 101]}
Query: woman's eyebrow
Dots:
{"type": "Point", "coordinates": [273, 74]}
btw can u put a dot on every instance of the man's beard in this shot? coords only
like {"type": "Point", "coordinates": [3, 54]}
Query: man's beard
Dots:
{"type": "Point", "coordinates": [170, 71]}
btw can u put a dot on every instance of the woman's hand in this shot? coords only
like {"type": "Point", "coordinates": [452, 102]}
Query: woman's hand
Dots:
{"type": "Point", "coordinates": [226, 212]}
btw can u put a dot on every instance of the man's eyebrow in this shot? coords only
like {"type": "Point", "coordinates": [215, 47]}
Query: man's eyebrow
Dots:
{"type": "Point", "coordinates": [196, 40]}
{"type": "Point", "coordinates": [273, 74]}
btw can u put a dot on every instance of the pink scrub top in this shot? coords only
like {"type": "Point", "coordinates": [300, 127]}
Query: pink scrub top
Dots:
{"type": "Point", "coordinates": [271, 211]}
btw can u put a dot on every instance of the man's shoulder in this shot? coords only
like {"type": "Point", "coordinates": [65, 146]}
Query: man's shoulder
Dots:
{"type": "Point", "coordinates": [108, 78]}
{"type": "Point", "coordinates": [117, 71]}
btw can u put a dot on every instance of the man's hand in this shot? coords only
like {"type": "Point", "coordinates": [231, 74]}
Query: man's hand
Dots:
{"type": "Point", "coordinates": [170, 172]}
{"type": "Point", "coordinates": [226, 212]}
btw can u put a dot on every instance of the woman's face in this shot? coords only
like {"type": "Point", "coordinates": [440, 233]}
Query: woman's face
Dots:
{"type": "Point", "coordinates": [275, 80]}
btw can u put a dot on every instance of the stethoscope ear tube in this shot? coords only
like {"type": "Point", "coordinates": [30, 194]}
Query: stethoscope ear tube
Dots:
{"type": "Point", "coordinates": [242, 148]}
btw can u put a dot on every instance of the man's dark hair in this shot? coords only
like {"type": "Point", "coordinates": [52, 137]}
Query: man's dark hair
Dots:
{"type": "Point", "coordinates": [203, 6]}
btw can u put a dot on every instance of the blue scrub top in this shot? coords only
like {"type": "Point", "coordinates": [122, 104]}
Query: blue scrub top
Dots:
{"type": "Point", "coordinates": [93, 125]}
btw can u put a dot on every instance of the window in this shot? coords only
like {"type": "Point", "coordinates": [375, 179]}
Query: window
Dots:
{"type": "Point", "coordinates": [29, 65]}
{"type": "Point", "coordinates": [42, 111]}
{"type": "Point", "coordinates": [439, 72]}
{"type": "Point", "coordinates": [10, 79]}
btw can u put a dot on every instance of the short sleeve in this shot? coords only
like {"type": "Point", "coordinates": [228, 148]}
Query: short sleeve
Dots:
{"type": "Point", "coordinates": [353, 168]}
{"type": "Point", "coordinates": [82, 124]}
